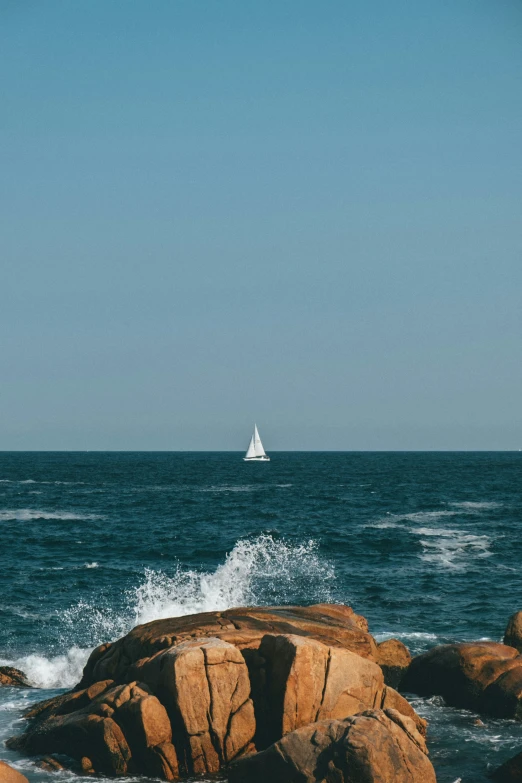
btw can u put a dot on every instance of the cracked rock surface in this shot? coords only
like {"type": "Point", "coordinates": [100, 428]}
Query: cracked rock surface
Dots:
{"type": "Point", "coordinates": [374, 746]}
{"type": "Point", "coordinates": [189, 696]}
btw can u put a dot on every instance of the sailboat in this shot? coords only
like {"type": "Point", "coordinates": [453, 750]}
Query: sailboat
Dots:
{"type": "Point", "coordinates": [255, 451]}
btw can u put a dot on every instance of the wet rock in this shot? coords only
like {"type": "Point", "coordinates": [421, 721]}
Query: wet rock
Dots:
{"type": "Point", "coordinates": [14, 677]}
{"type": "Point", "coordinates": [513, 634]}
{"type": "Point", "coordinates": [10, 775]}
{"type": "Point", "coordinates": [50, 764]}
{"type": "Point", "coordinates": [371, 747]}
{"type": "Point", "coordinates": [332, 624]}
{"type": "Point", "coordinates": [483, 676]}
{"type": "Point", "coordinates": [394, 658]}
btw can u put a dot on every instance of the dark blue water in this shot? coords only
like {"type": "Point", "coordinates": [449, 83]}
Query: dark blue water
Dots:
{"type": "Point", "coordinates": [427, 546]}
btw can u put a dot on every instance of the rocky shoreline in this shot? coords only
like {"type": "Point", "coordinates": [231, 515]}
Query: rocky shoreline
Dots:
{"type": "Point", "coordinates": [273, 693]}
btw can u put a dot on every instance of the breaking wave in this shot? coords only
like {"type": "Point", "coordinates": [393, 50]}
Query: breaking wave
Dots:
{"type": "Point", "coordinates": [261, 571]}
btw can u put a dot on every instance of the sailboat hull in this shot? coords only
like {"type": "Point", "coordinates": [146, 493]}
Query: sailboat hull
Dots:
{"type": "Point", "coordinates": [256, 459]}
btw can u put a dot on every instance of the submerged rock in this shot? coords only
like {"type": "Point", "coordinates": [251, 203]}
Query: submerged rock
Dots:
{"type": "Point", "coordinates": [11, 676]}
{"type": "Point", "coordinates": [10, 775]}
{"type": "Point", "coordinates": [172, 699]}
{"type": "Point", "coordinates": [371, 747]}
{"type": "Point", "coordinates": [483, 676]}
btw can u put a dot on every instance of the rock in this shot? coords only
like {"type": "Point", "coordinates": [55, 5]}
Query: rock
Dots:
{"type": "Point", "coordinates": [332, 624]}
{"type": "Point", "coordinates": [10, 775]}
{"type": "Point", "coordinates": [171, 702]}
{"type": "Point", "coordinates": [205, 686]}
{"type": "Point", "coordinates": [302, 681]}
{"type": "Point", "coordinates": [510, 771]}
{"type": "Point", "coordinates": [394, 701]}
{"type": "Point", "coordinates": [513, 634]}
{"type": "Point", "coordinates": [121, 729]}
{"type": "Point", "coordinates": [394, 658]}
{"type": "Point", "coordinates": [50, 764]}
{"type": "Point", "coordinates": [483, 676]}
{"type": "Point", "coordinates": [11, 676]}
{"type": "Point", "coordinates": [371, 747]}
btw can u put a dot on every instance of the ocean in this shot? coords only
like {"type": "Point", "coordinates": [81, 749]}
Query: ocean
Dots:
{"type": "Point", "coordinates": [427, 546]}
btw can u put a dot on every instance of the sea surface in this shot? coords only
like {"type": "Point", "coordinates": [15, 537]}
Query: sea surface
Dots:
{"type": "Point", "coordinates": [427, 546]}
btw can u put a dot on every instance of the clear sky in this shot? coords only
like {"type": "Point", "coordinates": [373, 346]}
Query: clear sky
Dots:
{"type": "Point", "coordinates": [305, 214]}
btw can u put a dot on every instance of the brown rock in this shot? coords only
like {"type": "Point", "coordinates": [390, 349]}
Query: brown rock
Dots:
{"type": "Point", "coordinates": [308, 681]}
{"type": "Point", "coordinates": [394, 701]}
{"type": "Point", "coordinates": [14, 677]}
{"type": "Point", "coordinates": [118, 730]}
{"type": "Point", "coordinates": [50, 764]}
{"type": "Point", "coordinates": [205, 686]}
{"type": "Point", "coordinates": [510, 771]}
{"type": "Point", "coordinates": [10, 775]}
{"type": "Point", "coordinates": [332, 624]}
{"type": "Point", "coordinates": [371, 747]}
{"type": "Point", "coordinates": [394, 658]}
{"type": "Point", "coordinates": [172, 701]}
{"type": "Point", "coordinates": [484, 676]}
{"type": "Point", "coordinates": [513, 634]}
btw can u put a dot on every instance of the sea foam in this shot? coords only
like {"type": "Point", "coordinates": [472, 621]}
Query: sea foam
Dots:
{"type": "Point", "coordinates": [261, 571]}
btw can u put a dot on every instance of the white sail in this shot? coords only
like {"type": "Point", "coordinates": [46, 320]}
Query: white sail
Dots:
{"type": "Point", "coordinates": [251, 451]}
{"type": "Point", "coordinates": [255, 449]}
{"type": "Point", "coordinates": [258, 446]}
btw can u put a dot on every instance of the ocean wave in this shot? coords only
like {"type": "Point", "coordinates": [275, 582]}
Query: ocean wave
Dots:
{"type": "Point", "coordinates": [59, 671]}
{"type": "Point", "coordinates": [452, 548]}
{"type": "Point", "coordinates": [30, 514]}
{"type": "Point", "coordinates": [257, 571]}
{"type": "Point", "coordinates": [412, 635]}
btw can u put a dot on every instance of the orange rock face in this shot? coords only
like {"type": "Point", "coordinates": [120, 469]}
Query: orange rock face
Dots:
{"type": "Point", "coordinates": [306, 681]}
{"type": "Point", "coordinates": [371, 747]}
{"type": "Point", "coordinates": [484, 676]}
{"type": "Point", "coordinates": [190, 695]}
{"type": "Point", "coordinates": [14, 677]}
{"type": "Point", "coordinates": [120, 730]}
{"type": "Point", "coordinates": [394, 658]}
{"type": "Point", "coordinates": [10, 775]}
{"type": "Point", "coordinates": [332, 624]}
{"type": "Point", "coordinates": [205, 686]}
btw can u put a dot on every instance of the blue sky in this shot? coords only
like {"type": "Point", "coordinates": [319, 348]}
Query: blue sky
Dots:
{"type": "Point", "coordinates": [305, 214]}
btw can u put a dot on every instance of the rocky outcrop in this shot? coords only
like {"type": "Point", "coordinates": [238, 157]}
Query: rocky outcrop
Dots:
{"type": "Point", "coordinates": [205, 687]}
{"type": "Point", "coordinates": [394, 658]}
{"type": "Point", "coordinates": [513, 634]}
{"type": "Point", "coordinates": [10, 775]}
{"type": "Point", "coordinates": [14, 677]}
{"type": "Point", "coordinates": [121, 729]}
{"type": "Point", "coordinates": [166, 701]}
{"type": "Point", "coordinates": [372, 747]}
{"type": "Point", "coordinates": [296, 681]}
{"type": "Point", "coordinates": [332, 624]}
{"type": "Point", "coordinates": [483, 676]}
